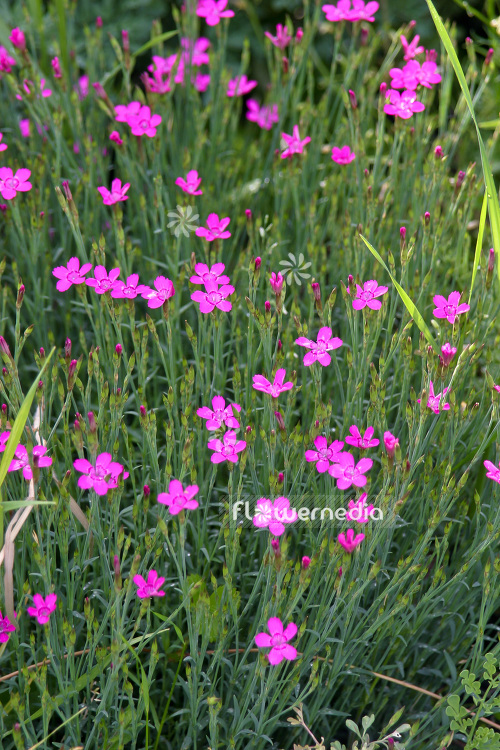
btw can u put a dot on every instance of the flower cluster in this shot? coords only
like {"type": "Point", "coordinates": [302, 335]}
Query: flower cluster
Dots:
{"type": "Point", "coordinates": [180, 67]}
{"type": "Point", "coordinates": [217, 287]}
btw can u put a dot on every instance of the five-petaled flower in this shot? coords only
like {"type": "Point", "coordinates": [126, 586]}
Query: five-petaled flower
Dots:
{"type": "Point", "coordinates": [294, 143]}
{"type": "Point", "coordinates": [211, 299]}
{"type": "Point", "coordinates": [116, 194]}
{"type": "Point", "coordinates": [265, 116]}
{"type": "Point", "coordinates": [361, 441]}
{"type": "Point", "coordinates": [178, 497]}
{"type": "Point", "coordinates": [359, 511]}
{"type": "Point", "coordinates": [349, 541]}
{"type": "Point", "coordinates": [213, 10]}
{"type": "Point", "coordinates": [102, 281]}
{"type": "Point", "coordinates": [449, 308]}
{"type": "Point", "coordinates": [209, 276]}
{"type": "Point", "coordinates": [325, 454]}
{"type": "Point", "coordinates": [144, 123]}
{"type": "Point", "coordinates": [277, 640]}
{"type": "Point", "coordinates": [215, 229]}
{"type": "Point", "coordinates": [282, 38]}
{"type": "Point", "coordinates": [220, 414]}
{"type": "Point", "coordinates": [226, 449]}
{"type": "Point", "coordinates": [319, 349]}
{"type": "Point", "coordinates": [11, 184]}
{"type": "Point", "coordinates": [151, 587]}
{"type": "Point", "coordinates": [448, 351]}
{"type": "Point", "coordinates": [260, 383]}
{"type": "Point", "coordinates": [129, 289]}
{"type": "Point", "coordinates": [343, 11]}
{"type": "Point", "coordinates": [70, 274]}
{"type": "Point", "coordinates": [402, 105]}
{"type": "Point", "coordinates": [6, 628]}
{"type": "Point", "coordinates": [343, 155]}
{"type": "Point", "coordinates": [347, 472]}
{"type": "Point", "coordinates": [21, 460]}
{"type": "Point", "coordinates": [164, 289]}
{"type": "Point", "coordinates": [191, 184]}
{"type": "Point", "coordinates": [240, 86]}
{"type": "Point", "coordinates": [434, 399]}
{"type": "Point", "coordinates": [6, 61]}
{"type": "Point", "coordinates": [103, 476]}
{"type": "Point", "coordinates": [274, 515]}
{"type": "Point", "coordinates": [43, 607]}
{"type": "Point", "coordinates": [367, 294]}
{"type": "Point", "coordinates": [411, 49]}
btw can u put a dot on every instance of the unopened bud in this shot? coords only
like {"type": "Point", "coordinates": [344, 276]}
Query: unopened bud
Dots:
{"type": "Point", "coordinates": [306, 561]}
{"type": "Point", "coordinates": [285, 64]}
{"type": "Point", "coordinates": [280, 420]}
{"type": "Point", "coordinates": [299, 35]}
{"type": "Point", "coordinates": [281, 478]}
{"type": "Point", "coordinates": [92, 422]}
{"type": "Point", "coordinates": [438, 152]}
{"type": "Point", "coordinates": [427, 218]}
{"type": "Point", "coordinates": [20, 296]}
{"type": "Point", "coordinates": [146, 490]}
{"type": "Point", "coordinates": [248, 214]}
{"type": "Point", "coordinates": [67, 349]}
{"type": "Point", "coordinates": [489, 57]}
{"type": "Point", "coordinates": [353, 99]}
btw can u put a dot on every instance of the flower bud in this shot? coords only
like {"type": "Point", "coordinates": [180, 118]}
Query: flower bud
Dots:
{"type": "Point", "coordinates": [18, 39]}
{"type": "Point", "coordinates": [427, 218]}
{"type": "Point", "coordinates": [383, 88]}
{"type": "Point", "coordinates": [56, 67]}
{"type": "Point", "coordinates": [98, 22]}
{"type": "Point", "coordinates": [281, 478]}
{"type": "Point", "coordinates": [491, 259]}
{"type": "Point", "coordinates": [489, 57]}
{"type": "Point", "coordinates": [20, 296]}
{"type": "Point", "coordinates": [248, 214]}
{"type": "Point", "coordinates": [390, 443]}
{"type": "Point", "coordinates": [438, 152]}
{"type": "Point", "coordinates": [92, 423]}
{"type": "Point", "coordinates": [285, 65]}
{"type": "Point", "coordinates": [67, 349]}
{"type": "Point", "coordinates": [299, 35]}
{"type": "Point", "coordinates": [146, 490]}
{"type": "Point", "coordinates": [364, 36]}
{"type": "Point", "coordinates": [353, 99]}
{"type": "Point", "coordinates": [306, 561]}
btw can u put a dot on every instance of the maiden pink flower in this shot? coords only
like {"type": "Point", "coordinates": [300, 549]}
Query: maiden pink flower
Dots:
{"type": "Point", "coordinates": [129, 289]}
{"type": "Point", "coordinates": [319, 349]}
{"type": "Point", "coordinates": [124, 111]}
{"type": "Point", "coordinates": [434, 399]}
{"type": "Point", "coordinates": [215, 229]}
{"type": "Point", "coordinates": [411, 49]}
{"type": "Point", "coordinates": [11, 184]}
{"type": "Point", "coordinates": [493, 472]}
{"type": "Point", "coordinates": [274, 515]}
{"type": "Point", "coordinates": [390, 443]}
{"type": "Point", "coordinates": [294, 144]}
{"type": "Point", "coordinates": [56, 67]}
{"type": "Point", "coordinates": [103, 282]}
{"type": "Point", "coordinates": [343, 155]}
{"type": "Point", "coordinates": [144, 123]}
{"type": "Point", "coordinates": [83, 87]}
{"type": "Point", "coordinates": [282, 38]}
{"type": "Point", "coordinates": [213, 10]}
{"type": "Point", "coordinates": [101, 477]}
{"type": "Point", "coordinates": [260, 383]}
{"type": "Point", "coordinates": [116, 194]}
{"type": "Point", "coordinates": [3, 146]}
{"type": "Point", "coordinates": [349, 541]}
{"type": "Point", "coordinates": [277, 641]}
{"type": "Point", "coordinates": [210, 277]}
{"type": "Point", "coordinates": [367, 294]}
{"type": "Point", "coordinates": [347, 472]}
{"type": "Point", "coordinates": [22, 461]}
{"type": "Point", "coordinates": [70, 274]}
{"type": "Point", "coordinates": [43, 607]}
{"type": "Point", "coordinates": [265, 116]}
{"type": "Point", "coordinates": [24, 127]}
{"type": "Point", "coordinates": [195, 52]}
{"type": "Point", "coordinates": [447, 308]}
{"type": "Point", "coordinates": [402, 105]}
{"type": "Point", "coordinates": [240, 86]}
{"type": "Point", "coordinates": [6, 627]}
{"type": "Point", "coordinates": [361, 441]}
{"type": "Point", "coordinates": [448, 351]}
{"type": "Point", "coordinates": [6, 61]}
{"type": "Point", "coordinates": [226, 449]}
{"type": "Point", "coordinates": [343, 11]}
{"type": "Point", "coordinates": [18, 39]}
{"type": "Point", "coordinates": [215, 298]}
{"type": "Point", "coordinates": [151, 587]}
{"type": "Point", "coordinates": [179, 498]}
{"type": "Point", "coordinates": [324, 454]}
{"type": "Point", "coordinates": [405, 77]}
{"type": "Point", "coordinates": [427, 75]}
{"type": "Point", "coordinates": [191, 184]}
{"type": "Point", "coordinates": [3, 440]}
{"type": "Point", "coordinates": [276, 282]}
{"type": "Point", "coordinates": [116, 137]}
{"type": "Point", "coordinates": [220, 414]}
{"type": "Point", "coordinates": [164, 289]}
{"type": "Point", "coordinates": [27, 84]}
{"type": "Point", "coordinates": [359, 511]}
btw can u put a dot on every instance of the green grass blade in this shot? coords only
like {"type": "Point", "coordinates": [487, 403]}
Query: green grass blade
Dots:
{"type": "Point", "coordinates": [479, 243]}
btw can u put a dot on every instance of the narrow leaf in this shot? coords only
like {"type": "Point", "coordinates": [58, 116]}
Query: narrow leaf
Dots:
{"type": "Point", "coordinates": [479, 243]}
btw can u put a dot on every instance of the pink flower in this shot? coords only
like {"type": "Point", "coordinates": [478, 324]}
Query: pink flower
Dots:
{"type": "Point", "coordinates": [213, 10]}
{"type": "Point", "coordinates": [366, 295]}
{"type": "Point", "coordinates": [448, 353]}
{"type": "Point", "coordinates": [306, 561]}
{"type": "Point", "coordinates": [24, 127]}
{"type": "Point", "coordinates": [11, 184]}
{"type": "Point", "coordinates": [294, 144]}
{"type": "Point", "coordinates": [3, 146]}
{"type": "Point", "coordinates": [319, 349]}
{"type": "Point", "coordinates": [103, 282]}
{"type": "Point", "coordinates": [124, 112]}
{"type": "Point", "coordinates": [274, 515]}
{"type": "Point", "coordinates": [177, 498]}
{"type": "Point", "coordinates": [226, 449]}
{"type": "Point", "coordinates": [43, 607]}
{"type": "Point", "coordinates": [83, 87]}
{"type": "Point", "coordinates": [212, 277]}
{"type": "Point", "coordinates": [343, 155]}
{"type": "Point", "coordinates": [22, 461]}
{"type": "Point", "coordinates": [390, 443]}
{"type": "Point", "coordinates": [3, 440]}
{"type": "Point", "coordinates": [348, 473]}
{"type": "Point", "coordinates": [6, 61]}
{"type": "Point", "coordinates": [348, 541]}
{"type": "Point", "coordinates": [434, 399]}
{"type": "Point", "coordinates": [493, 472]}
{"type": "Point", "coordinates": [6, 627]}
{"type": "Point", "coordinates": [26, 86]}
{"type": "Point", "coordinates": [201, 82]}
{"type": "Point", "coordinates": [361, 441]}
{"type": "Point", "coordinates": [445, 308]}
{"type": "Point", "coordinates": [359, 511]}
{"type": "Point", "coordinates": [260, 383]}
{"type": "Point", "coordinates": [208, 300]}
{"type": "Point", "coordinates": [265, 116]}
{"type": "Point", "coordinates": [116, 137]}
{"type": "Point", "coordinates": [116, 194]}
{"type": "Point", "coordinates": [220, 414]}
{"type": "Point", "coordinates": [70, 274]}
{"type": "Point", "coordinates": [428, 75]}
{"type": "Point", "coordinates": [101, 477]}
{"type": "Point", "coordinates": [411, 49]}
{"type": "Point", "coordinates": [215, 229]}
{"type": "Point", "coordinates": [276, 283]}
{"type": "Point", "coordinates": [191, 183]}
{"type": "Point", "coordinates": [324, 453]}
{"type": "Point", "coordinates": [130, 289]}
{"type": "Point", "coordinates": [240, 86]}
{"type": "Point", "coordinates": [195, 52]}
{"type": "Point", "coordinates": [343, 12]}
{"type": "Point", "coordinates": [282, 38]}
{"type": "Point", "coordinates": [56, 67]}
{"type": "Point", "coordinates": [144, 123]}
{"type": "Point", "coordinates": [402, 105]}
{"type": "Point", "coordinates": [406, 77]}
{"type": "Point", "coordinates": [151, 587]}
{"type": "Point", "coordinates": [164, 289]}
{"type": "Point", "coordinates": [277, 641]}
{"type": "Point", "coordinates": [18, 39]}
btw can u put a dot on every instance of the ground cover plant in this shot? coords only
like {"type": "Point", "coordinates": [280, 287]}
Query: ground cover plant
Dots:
{"type": "Point", "coordinates": [251, 385]}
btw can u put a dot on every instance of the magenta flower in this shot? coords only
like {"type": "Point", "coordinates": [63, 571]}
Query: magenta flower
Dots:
{"type": "Point", "coordinates": [319, 349]}
{"type": "Point", "coordinates": [10, 183]}
{"type": "Point", "coordinates": [349, 541]}
{"type": "Point", "coordinates": [390, 443]}
{"type": "Point", "coordinates": [6, 61]}
{"type": "Point", "coordinates": [6, 627]}
{"type": "Point", "coordinates": [116, 194]}
{"type": "Point", "coordinates": [367, 294]}
{"type": "Point", "coordinates": [101, 477]}
{"type": "Point", "coordinates": [116, 138]}
{"type": "Point", "coordinates": [448, 308]}
{"type": "Point", "coordinates": [359, 511]}
{"type": "Point", "coordinates": [18, 39]}
{"type": "Point", "coordinates": [195, 52]}
{"type": "Point", "coordinates": [434, 399]}
{"type": "Point", "coordinates": [343, 12]}
{"type": "Point", "coordinates": [70, 274]}
{"type": "Point", "coordinates": [24, 127]}
{"type": "Point", "coordinates": [361, 441]}
{"type": "Point", "coordinates": [3, 146]}
{"type": "Point", "coordinates": [448, 353]}
{"type": "Point", "coordinates": [226, 449]}
{"type": "Point", "coordinates": [294, 144]}
{"type": "Point", "coordinates": [265, 116]}
{"type": "Point", "coordinates": [144, 123]}
{"type": "Point", "coordinates": [240, 86]}
{"type": "Point", "coordinates": [22, 461]}
{"type": "Point", "coordinates": [210, 277]}
{"type": "Point", "coordinates": [164, 289]}
{"type": "Point", "coordinates": [83, 87]}
{"type": "Point", "coordinates": [347, 472]}
{"type": "Point", "coordinates": [343, 155]}
{"type": "Point", "coordinates": [43, 91]}
{"type": "Point", "coordinates": [405, 77]}
{"type": "Point", "coordinates": [179, 498]}
{"type": "Point", "coordinates": [220, 414]}
{"type": "Point", "coordinates": [324, 454]}
{"type": "Point", "coordinates": [130, 289]}
{"type": "Point", "coordinates": [276, 282]}
{"type": "Point", "coordinates": [103, 282]}
{"type": "Point", "coordinates": [209, 300]}
{"type": "Point", "coordinates": [56, 67]}
{"type": "Point", "coordinates": [213, 10]}
{"type": "Point", "coordinates": [260, 383]}
{"type": "Point", "coordinates": [4, 436]}
{"type": "Point", "coordinates": [493, 472]}
{"type": "Point", "coordinates": [43, 607]}
{"type": "Point", "coordinates": [282, 38]}
{"type": "Point", "coordinates": [124, 112]}
{"type": "Point", "coordinates": [215, 229]}
{"type": "Point", "coordinates": [402, 105]}
{"type": "Point", "coordinates": [274, 515]}
{"type": "Point", "coordinates": [191, 184]}
{"type": "Point", "coordinates": [151, 587]}
{"type": "Point", "coordinates": [411, 49]}
{"type": "Point", "coordinates": [427, 75]}
{"type": "Point", "coordinates": [277, 641]}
